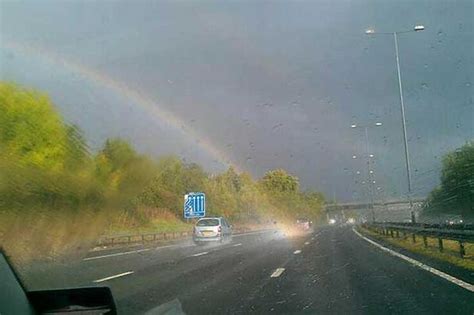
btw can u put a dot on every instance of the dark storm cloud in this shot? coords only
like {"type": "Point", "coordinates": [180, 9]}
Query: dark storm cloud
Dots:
{"type": "Point", "coordinates": [273, 84]}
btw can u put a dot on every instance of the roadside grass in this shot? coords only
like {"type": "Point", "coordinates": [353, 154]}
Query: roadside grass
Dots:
{"type": "Point", "coordinates": [40, 234]}
{"type": "Point", "coordinates": [450, 252]}
{"type": "Point", "coordinates": [164, 222]}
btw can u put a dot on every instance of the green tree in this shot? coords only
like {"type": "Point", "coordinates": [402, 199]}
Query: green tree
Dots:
{"type": "Point", "coordinates": [280, 181]}
{"type": "Point", "coordinates": [31, 131]}
{"type": "Point", "coordinates": [455, 194]}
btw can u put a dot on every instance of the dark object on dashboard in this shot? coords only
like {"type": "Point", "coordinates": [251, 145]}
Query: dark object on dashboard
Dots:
{"type": "Point", "coordinates": [14, 299]}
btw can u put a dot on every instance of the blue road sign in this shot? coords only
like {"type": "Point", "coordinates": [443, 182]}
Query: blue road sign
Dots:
{"type": "Point", "coordinates": [194, 205]}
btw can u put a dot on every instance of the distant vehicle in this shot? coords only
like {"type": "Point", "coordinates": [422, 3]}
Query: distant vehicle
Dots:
{"type": "Point", "coordinates": [303, 224]}
{"type": "Point", "coordinates": [454, 221]}
{"type": "Point", "coordinates": [212, 230]}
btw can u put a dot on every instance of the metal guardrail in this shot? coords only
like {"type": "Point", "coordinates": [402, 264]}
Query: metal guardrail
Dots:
{"type": "Point", "coordinates": [462, 233]}
{"type": "Point", "coordinates": [149, 237]}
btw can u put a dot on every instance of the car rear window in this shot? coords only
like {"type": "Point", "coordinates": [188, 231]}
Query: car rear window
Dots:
{"type": "Point", "coordinates": [208, 222]}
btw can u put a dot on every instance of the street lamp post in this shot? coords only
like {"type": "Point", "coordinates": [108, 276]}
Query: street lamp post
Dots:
{"type": "Point", "coordinates": [369, 156]}
{"type": "Point", "coordinates": [417, 28]}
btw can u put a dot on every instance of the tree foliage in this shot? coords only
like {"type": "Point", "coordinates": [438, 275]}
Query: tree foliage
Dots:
{"type": "Point", "coordinates": [280, 181]}
{"type": "Point", "coordinates": [455, 194]}
{"type": "Point", "coordinates": [46, 162]}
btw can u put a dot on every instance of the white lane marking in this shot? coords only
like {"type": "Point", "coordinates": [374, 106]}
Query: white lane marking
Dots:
{"type": "Point", "coordinates": [418, 264]}
{"type": "Point", "coordinates": [306, 243]}
{"type": "Point", "coordinates": [184, 246]}
{"type": "Point", "coordinates": [277, 272]}
{"type": "Point", "coordinates": [167, 246]}
{"type": "Point", "coordinates": [296, 252]}
{"type": "Point", "coordinates": [199, 254]}
{"type": "Point", "coordinates": [113, 277]}
{"type": "Point", "coordinates": [251, 233]}
{"type": "Point", "coordinates": [238, 244]}
{"type": "Point", "coordinates": [117, 254]}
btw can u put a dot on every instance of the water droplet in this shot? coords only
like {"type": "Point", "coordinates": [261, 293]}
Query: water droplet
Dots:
{"type": "Point", "coordinates": [425, 65]}
{"type": "Point", "coordinates": [440, 32]}
{"type": "Point", "coordinates": [424, 85]}
{"type": "Point", "coordinates": [277, 126]}
{"type": "Point", "coordinates": [468, 84]}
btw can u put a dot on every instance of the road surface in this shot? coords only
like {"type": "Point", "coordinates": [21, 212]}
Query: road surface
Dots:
{"type": "Point", "coordinates": [330, 271]}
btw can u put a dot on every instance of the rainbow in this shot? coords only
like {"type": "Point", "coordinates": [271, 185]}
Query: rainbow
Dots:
{"type": "Point", "coordinates": [123, 90]}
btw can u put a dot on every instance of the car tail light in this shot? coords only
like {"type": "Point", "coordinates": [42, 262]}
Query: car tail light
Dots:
{"type": "Point", "coordinates": [219, 229]}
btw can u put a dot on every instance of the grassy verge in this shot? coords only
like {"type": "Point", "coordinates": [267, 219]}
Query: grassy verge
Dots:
{"type": "Point", "coordinates": [169, 223]}
{"type": "Point", "coordinates": [155, 225]}
{"type": "Point", "coordinates": [450, 253]}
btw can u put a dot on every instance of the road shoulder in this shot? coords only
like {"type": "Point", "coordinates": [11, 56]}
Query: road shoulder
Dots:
{"type": "Point", "coordinates": [450, 269]}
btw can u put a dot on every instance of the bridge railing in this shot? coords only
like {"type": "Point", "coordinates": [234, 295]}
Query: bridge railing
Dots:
{"type": "Point", "coordinates": [461, 233]}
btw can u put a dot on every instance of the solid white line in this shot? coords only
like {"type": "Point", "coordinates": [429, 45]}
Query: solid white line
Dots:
{"type": "Point", "coordinates": [167, 246]}
{"type": "Point", "coordinates": [277, 272]}
{"type": "Point", "coordinates": [418, 264]}
{"type": "Point", "coordinates": [296, 252]}
{"type": "Point", "coordinates": [184, 246]}
{"type": "Point", "coordinates": [251, 233]}
{"type": "Point", "coordinates": [199, 254]}
{"type": "Point", "coordinates": [238, 244]}
{"type": "Point", "coordinates": [118, 254]}
{"type": "Point", "coordinates": [113, 277]}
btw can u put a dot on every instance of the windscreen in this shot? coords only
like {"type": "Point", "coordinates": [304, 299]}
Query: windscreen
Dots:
{"type": "Point", "coordinates": [241, 157]}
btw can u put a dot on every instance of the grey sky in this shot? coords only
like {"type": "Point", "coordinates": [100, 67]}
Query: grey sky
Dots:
{"type": "Point", "coordinates": [271, 84]}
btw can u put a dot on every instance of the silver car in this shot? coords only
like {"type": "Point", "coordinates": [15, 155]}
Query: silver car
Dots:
{"type": "Point", "coordinates": [212, 230]}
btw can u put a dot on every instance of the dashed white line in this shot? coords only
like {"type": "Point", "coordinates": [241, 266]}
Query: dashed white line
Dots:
{"type": "Point", "coordinates": [117, 254]}
{"type": "Point", "coordinates": [238, 244]}
{"type": "Point", "coordinates": [113, 277]}
{"type": "Point", "coordinates": [306, 243]}
{"type": "Point", "coordinates": [420, 265]}
{"type": "Point", "coordinates": [296, 252]}
{"type": "Point", "coordinates": [277, 272]}
{"type": "Point", "coordinates": [199, 254]}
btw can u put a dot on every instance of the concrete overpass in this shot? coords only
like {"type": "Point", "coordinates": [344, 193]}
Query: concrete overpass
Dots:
{"type": "Point", "coordinates": [394, 210]}
{"type": "Point", "coordinates": [394, 205]}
